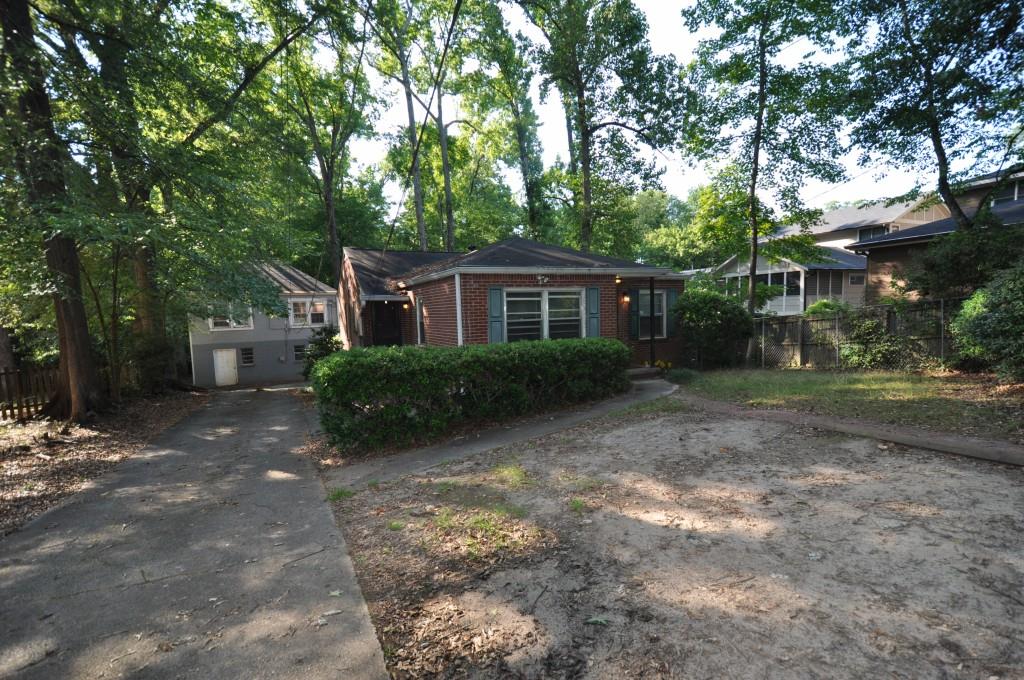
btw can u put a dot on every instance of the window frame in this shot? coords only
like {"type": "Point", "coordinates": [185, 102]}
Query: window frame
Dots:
{"type": "Point", "coordinates": [421, 326]}
{"type": "Point", "coordinates": [1015, 194]}
{"type": "Point", "coordinates": [860, 232]}
{"type": "Point", "coordinates": [863, 279]}
{"type": "Point", "coordinates": [545, 327]}
{"type": "Point", "coordinates": [307, 317]}
{"type": "Point", "coordinates": [252, 356]}
{"type": "Point", "coordinates": [660, 292]}
{"type": "Point", "coordinates": [295, 352]}
{"type": "Point", "coordinates": [232, 324]}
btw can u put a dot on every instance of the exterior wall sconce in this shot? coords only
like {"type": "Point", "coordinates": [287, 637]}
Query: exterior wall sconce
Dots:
{"type": "Point", "coordinates": [405, 305]}
{"type": "Point", "coordinates": [618, 279]}
{"type": "Point", "coordinates": [625, 298]}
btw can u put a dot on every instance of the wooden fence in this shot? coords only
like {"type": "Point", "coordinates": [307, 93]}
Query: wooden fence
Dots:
{"type": "Point", "coordinates": [24, 392]}
{"type": "Point", "coordinates": [794, 341]}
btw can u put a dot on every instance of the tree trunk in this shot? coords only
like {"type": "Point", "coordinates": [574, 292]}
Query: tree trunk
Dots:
{"type": "Point", "coordinates": [446, 170]}
{"type": "Point", "coordinates": [6, 350]}
{"type": "Point", "coordinates": [570, 134]}
{"type": "Point", "coordinates": [762, 97]}
{"type": "Point", "coordinates": [39, 160]}
{"type": "Point", "coordinates": [530, 187]}
{"type": "Point", "coordinates": [417, 183]}
{"type": "Point", "coordinates": [945, 191]}
{"type": "Point", "coordinates": [586, 166]}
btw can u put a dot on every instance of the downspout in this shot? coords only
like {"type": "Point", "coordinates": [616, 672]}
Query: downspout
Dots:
{"type": "Point", "coordinates": [458, 307]}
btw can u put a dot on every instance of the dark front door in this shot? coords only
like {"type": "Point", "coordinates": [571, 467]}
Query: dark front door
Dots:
{"type": "Point", "coordinates": [387, 328]}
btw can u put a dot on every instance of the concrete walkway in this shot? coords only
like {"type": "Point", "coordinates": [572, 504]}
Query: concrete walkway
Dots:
{"type": "Point", "coordinates": [392, 467]}
{"type": "Point", "coordinates": [972, 447]}
{"type": "Point", "coordinates": [212, 554]}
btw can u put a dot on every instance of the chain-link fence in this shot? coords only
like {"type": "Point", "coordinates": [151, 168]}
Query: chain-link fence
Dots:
{"type": "Point", "coordinates": [891, 336]}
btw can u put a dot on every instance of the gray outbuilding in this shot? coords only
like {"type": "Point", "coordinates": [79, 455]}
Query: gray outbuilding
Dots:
{"type": "Point", "coordinates": [250, 348]}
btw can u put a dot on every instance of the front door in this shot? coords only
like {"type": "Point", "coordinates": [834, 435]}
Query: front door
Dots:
{"type": "Point", "coordinates": [387, 328]}
{"type": "Point", "coordinates": [225, 367]}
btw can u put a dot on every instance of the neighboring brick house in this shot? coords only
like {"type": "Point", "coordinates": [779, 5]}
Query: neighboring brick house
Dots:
{"type": "Point", "coordinates": [512, 290]}
{"type": "Point", "coordinates": [888, 255]}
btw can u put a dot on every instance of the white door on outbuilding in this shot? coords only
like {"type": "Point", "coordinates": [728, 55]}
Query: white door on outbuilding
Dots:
{"type": "Point", "coordinates": [225, 367]}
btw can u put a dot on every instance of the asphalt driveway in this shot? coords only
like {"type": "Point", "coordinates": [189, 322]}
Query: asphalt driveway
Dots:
{"type": "Point", "coordinates": [212, 554]}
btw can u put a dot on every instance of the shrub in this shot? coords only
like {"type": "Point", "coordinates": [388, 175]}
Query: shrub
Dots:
{"type": "Point", "coordinates": [713, 327]}
{"type": "Point", "coordinates": [959, 263]}
{"type": "Point", "coordinates": [828, 308]}
{"type": "Point", "coordinates": [324, 342]}
{"type": "Point", "coordinates": [381, 396]}
{"type": "Point", "coordinates": [869, 345]}
{"type": "Point", "coordinates": [991, 324]}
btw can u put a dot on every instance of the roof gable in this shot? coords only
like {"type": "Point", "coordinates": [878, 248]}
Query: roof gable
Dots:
{"type": "Point", "coordinates": [1009, 213]}
{"type": "Point", "coordinates": [373, 268]}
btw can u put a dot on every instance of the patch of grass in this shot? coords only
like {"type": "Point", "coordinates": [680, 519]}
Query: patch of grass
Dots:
{"type": "Point", "coordinates": [955, 403]}
{"type": "Point", "coordinates": [395, 525]}
{"type": "Point", "coordinates": [587, 484]}
{"type": "Point", "coordinates": [577, 505]}
{"type": "Point", "coordinates": [340, 494]}
{"type": "Point", "coordinates": [445, 486]}
{"type": "Point", "coordinates": [445, 519]}
{"type": "Point", "coordinates": [681, 376]}
{"type": "Point", "coordinates": [373, 484]}
{"type": "Point", "coordinates": [512, 475]}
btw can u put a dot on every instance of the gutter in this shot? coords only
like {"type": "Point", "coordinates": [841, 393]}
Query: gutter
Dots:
{"type": "Point", "coordinates": [632, 272]}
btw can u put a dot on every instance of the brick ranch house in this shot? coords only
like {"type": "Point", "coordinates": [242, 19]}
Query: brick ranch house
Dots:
{"type": "Point", "coordinates": [512, 290]}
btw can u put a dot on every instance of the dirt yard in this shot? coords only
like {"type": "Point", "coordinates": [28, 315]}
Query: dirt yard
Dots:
{"type": "Point", "coordinates": [42, 462]}
{"type": "Point", "coordinates": [666, 543]}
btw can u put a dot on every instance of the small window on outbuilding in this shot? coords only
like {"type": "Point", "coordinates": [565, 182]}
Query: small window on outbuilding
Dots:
{"type": "Point", "coordinates": [248, 356]}
{"type": "Point", "coordinates": [856, 279]}
{"type": "Point", "coordinates": [300, 352]}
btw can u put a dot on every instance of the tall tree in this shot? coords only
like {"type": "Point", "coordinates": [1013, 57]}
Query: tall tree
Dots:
{"type": "Point", "coordinates": [940, 74]}
{"type": "Point", "coordinates": [504, 86]}
{"type": "Point", "coordinates": [597, 55]}
{"type": "Point", "coordinates": [40, 157]}
{"type": "Point", "coordinates": [756, 108]}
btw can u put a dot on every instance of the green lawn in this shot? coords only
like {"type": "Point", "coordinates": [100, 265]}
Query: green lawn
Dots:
{"type": "Point", "coordinates": [955, 403]}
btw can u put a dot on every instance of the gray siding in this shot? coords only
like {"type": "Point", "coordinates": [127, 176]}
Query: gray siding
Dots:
{"type": "Point", "coordinates": [271, 339]}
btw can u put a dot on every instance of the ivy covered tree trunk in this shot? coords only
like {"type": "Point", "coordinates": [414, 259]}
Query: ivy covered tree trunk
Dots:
{"type": "Point", "coordinates": [40, 162]}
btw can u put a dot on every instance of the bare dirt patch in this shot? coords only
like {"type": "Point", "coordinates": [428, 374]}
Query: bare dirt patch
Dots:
{"type": "Point", "coordinates": [42, 462]}
{"type": "Point", "coordinates": [668, 543]}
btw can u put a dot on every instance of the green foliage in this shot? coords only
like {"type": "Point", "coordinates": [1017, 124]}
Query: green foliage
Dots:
{"type": "Point", "coordinates": [371, 397]}
{"type": "Point", "coordinates": [713, 327]}
{"type": "Point", "coordinates": [991, 324]}
{"type": "Point", "coordinates": [324, 342]}
{"type": "Point", "coordinates": [681, 376]}
{"type": "Point", "coordinates": [828, 308]}
{"type": "Point", "coordinates": [869, 345]}
{"type": "Point", "coordinates": [970, 352]}
{"type": "Point", "coordinates": [959, 263]}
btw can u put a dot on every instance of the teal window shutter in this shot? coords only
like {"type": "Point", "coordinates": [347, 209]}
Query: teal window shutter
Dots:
{"type": "Point", "coordinates": [593, 312]}
{"type": "Point", "coordinates": [634, 313]}
{"type": "Point", "coordinates": [495, 315]}
{"type": "Point", "coordinates": [671, 295]}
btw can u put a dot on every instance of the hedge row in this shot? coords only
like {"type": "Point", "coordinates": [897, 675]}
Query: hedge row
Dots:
{"type": "Point", "coordinates": [382, 396]}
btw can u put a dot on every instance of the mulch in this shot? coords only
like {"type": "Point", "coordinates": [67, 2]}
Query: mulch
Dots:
{"type": "Point", "coordinates": [42, 462]}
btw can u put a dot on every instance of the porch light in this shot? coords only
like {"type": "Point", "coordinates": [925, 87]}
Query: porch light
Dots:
{"type": "Point", "coordinates": [618, 279]}
{"type": "Point", "coordinates": [405, 305]}
{"type": "Point", "coordinates": [625, 298]}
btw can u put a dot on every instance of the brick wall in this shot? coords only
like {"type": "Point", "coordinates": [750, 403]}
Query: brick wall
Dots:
{"type": "Point", "coordinates": [439, 305]}
{"type": "Point", "coordinates": [438, 299]}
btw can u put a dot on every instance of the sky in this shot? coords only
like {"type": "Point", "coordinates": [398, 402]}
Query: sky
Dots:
{"type": "Point", "coordinates": [668, 35]}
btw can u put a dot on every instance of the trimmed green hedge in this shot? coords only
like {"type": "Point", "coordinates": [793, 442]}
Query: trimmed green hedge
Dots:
{"type": "Point", "coordinates": [381, 396]}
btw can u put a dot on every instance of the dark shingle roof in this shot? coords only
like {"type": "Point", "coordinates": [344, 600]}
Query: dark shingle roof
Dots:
{"type": "Point", "coordinates": [837, 258]}
{"type": "Point", "coordinates": [855, 216]}
{"type": "Point", "coordinates": [523, 253]}
{"type": "Point", "coordinates": [374, 267]}
{"type": "Point", "coordinates": [292, 281]}
{"type": "Point", "coordinates": [1007, 213]}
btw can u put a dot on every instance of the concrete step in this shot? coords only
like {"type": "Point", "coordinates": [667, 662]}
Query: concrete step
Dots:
{"type": "Point", "coordinates": [644, 373]}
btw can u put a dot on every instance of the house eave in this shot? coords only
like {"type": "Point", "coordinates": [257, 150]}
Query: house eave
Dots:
{"type": "Point", "coordinates": [625, 272]}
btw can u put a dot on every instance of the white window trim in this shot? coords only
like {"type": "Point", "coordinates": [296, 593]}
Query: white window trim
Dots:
{"type": "Point", "coordinates": [420, 320]}
{"type": "Point", "coordinates": [661, 335]}
{"type": "Point", "coordinates": [309, 302]}
{"type": "Point", "coordinates": [581, 292]}
{"type": "Point", "coordinates": [232, 324]}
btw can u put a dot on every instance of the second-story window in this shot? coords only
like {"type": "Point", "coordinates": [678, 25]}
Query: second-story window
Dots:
{"type": "Point", "coordinates": [306, 313]}
{"type": "Point", "coordinates": [1012, 191]}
